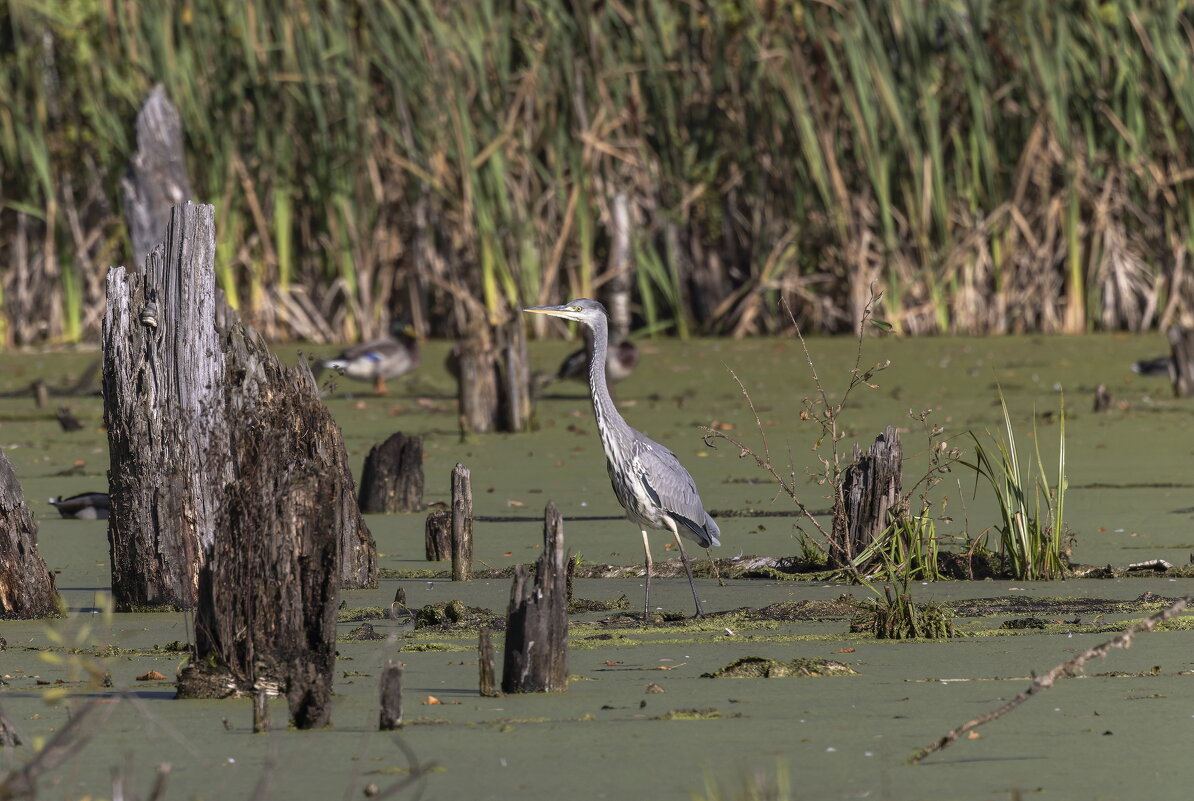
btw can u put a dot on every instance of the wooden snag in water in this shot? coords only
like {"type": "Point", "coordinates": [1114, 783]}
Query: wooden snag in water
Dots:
{"type": "Point", "coordinates": [9, 736]}
{"type": "Point", "coordinates": [514, 376]}
{"type": "Point", "coordinates": [26, 585]}
{"type": "Point", "coordinates": [164, 411]}
{"type": "Point", "coordinates": [1102, 398]}
{"type": "Point", "coordinates": [437, 535]}
{"type": "Point", "coordinates": [157, 175]}
{"type": "Point", "coordinates": [391, 696]}
{"type": "Point", "coordinates": [290, 535]}
{"type": "Point", "coordinates": [871, 489]}
{"type": "Point", "coordinates": [261, 711]}
{"type": "Point", "coordinates": [462, 524]}
{"type": "Point", "coordinates": [477, 386]}
{"type": "Point", "coordinates": [1181, 343]}
{"type": "Point", "coordinates": [392, 479]}
{"type": "Point", "coordinates": [621, 267]}
{"type": "Point", "coordinates": [485, 659]}
{"type": "Point", "coordinates": [536, 653]}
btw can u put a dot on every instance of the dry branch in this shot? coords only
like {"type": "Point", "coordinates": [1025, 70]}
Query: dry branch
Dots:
{"type": "Point", "coordinates": [1066, 669]}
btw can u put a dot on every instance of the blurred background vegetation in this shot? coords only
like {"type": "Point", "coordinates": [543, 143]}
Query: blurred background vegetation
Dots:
{"type": "Point", "coordinates": [991, 167]}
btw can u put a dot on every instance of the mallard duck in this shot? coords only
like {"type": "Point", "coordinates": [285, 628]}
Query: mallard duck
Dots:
{"type": "Point", "coordinates": [620, 363]}
{"type": "Point", "coordinates": [85, 506]}
{"type": "Point", "coordinates": [1162, 365]}
{"type": "Point", "coordinates": [378, 360]}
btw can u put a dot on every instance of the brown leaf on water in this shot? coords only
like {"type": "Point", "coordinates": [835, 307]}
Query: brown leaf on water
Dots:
{"type": "Point", "coordinates": [432, 701]}
{"type": "Point", "coordinates": [152, 675]}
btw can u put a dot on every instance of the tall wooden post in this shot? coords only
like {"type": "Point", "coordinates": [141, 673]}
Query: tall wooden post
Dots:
{"type": "Point", "coordinates": [462, 523]}
{"type": "Point", "coordinates": [164, 411]}
{"type": "Point", "coordinates": [536, 654]}
{"type": "Point", "coordinates": [157, 175]}
{"type": "Point", "coordinates": [871, 489]}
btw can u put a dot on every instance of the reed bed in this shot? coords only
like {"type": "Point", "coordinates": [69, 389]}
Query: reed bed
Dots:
{"type": "Point", "coordinates": [990, 167]}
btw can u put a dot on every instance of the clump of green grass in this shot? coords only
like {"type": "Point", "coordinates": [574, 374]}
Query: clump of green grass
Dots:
{"type": "Point", "coordinates": [895, 616]}
{"type": "Point", "coordinates": [1031, 527]}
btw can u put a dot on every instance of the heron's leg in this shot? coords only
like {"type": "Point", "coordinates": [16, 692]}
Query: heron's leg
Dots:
{"type": "Point", "coordinates": [647, 592]}
{"type": "Point", "coordinates": [688, 569]}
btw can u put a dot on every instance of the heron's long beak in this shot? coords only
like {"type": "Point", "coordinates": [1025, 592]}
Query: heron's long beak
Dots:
{"type": "Point", "coordinates": [554, 311]}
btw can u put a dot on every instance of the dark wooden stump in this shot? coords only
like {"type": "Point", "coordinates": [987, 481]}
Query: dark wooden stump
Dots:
{"type": "Point", "coordinates": [391, 697]}
{"type": "Point", "coordinates": [437, 535]}
{"type": "Point", "coordinates": [485, 661]}
{"type": "Point", "coordinates": [392, 479]}
{"type": "Point", "coordinates": [871, 488]}
{"type": "Point", "coordinates": [157, 176]}
{"type": "Point", "coordinates": [514, 377]}
{"type": "Point", "coordinates": [164, 411]}
{"type": "Point", "coordinates": [41, 394]}
{"type": "Point", "coordinates": [536, 653]}
{"type": "Point", "coordinates": [26, 586]}
{"type": "Point", "coordinates": [1102, 398]}
{"type": "Point", "coordinates": [477, 385]}
{"type": "Point", "coordinates": [261, 712]}
{"type": "Point", "coordinates": [462, 524]}
{"type": "Point", "coordinates": [1181, 342]}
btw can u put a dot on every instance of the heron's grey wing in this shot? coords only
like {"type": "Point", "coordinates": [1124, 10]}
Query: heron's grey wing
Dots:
{"type": "Point", "coordinates": [672, 488]}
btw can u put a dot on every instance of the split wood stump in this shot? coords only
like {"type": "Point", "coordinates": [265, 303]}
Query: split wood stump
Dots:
{"type": "Point", "coordinates": [493, 374]}
{"type": "Point", "coordinates": [26, 586]}
{"type": "Point", "coordinates": [390, 717]}
{"type": "Point", "coordinates": [437, 535]}
{"type": "Point", "coordinates": [392, 479]}
{"type": "Point", "coordinates": [536, 653]}
{"type": "Point", "coordinates": [871, 489]}
{"type": "Point", "coordinates": [157, 175]}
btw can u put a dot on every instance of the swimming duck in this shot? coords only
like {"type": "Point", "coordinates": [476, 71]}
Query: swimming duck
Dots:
{"type": "Point", "coordinates": [620, 363]}
{"type": "Point", "coordinates": [85, 506]}
{"type": "Point", "coordinates": [1162, 365]}
{"type": "Point", "coordinates": [389, 357]}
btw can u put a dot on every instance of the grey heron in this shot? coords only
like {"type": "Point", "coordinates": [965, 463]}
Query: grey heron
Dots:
{"type": "Point", "coordinates": [649, 481]}
{"type": "Point", "coordinates": [389, 357]}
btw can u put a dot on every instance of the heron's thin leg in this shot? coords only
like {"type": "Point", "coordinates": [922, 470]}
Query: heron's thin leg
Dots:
{"type": "Point", "coordinates": [647, 592]}
{"type": "Point", "coordinates": [688, 569]}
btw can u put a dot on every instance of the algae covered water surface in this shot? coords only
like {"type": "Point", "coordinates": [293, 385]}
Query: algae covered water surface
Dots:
{"type": "Point", "coordinates": [640, 719]}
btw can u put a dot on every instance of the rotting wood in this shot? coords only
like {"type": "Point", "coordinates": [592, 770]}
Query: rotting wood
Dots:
{"type": "Point", "coordinates": [1181, 342]}
{"type": "Point", "coordinates": [514, 376]}
{"type": "Point", "coordinates": [392, 478]}
{"type": "Point", "coordinates": [485, 661]}
{"type": "Point", "coordinates": [157, 175]}
{"type": "Point", "coordinates": [536, 650]}
{"type": "Point", "coordinates": [164, 412]}
{"type": "Point", "coordinates": [41, 394]}
{"type": "Point", "coordinates": [1102, 399]}
{"type": "Point", "coordinates": [437, 535]}
{"type": "Point", "coordinates": [462, 523]}
{"type": "Point", "coordinates": [390, 717]}
{"type": "Point", "coordinates": [871, 491]}
{"type": "Point", "coordinates": [476, 364]}
{"type": "Point", "coordinates": [27, 588]}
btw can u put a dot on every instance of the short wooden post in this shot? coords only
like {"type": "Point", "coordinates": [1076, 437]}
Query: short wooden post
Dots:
{"type": "Point", "coordinates": [41, 394]}
{"type": "Point", "coordinates": [1181, 342]}
{"type": "Point", "coordinates": [391, 696]}
{"type": "Point", "coordinates": [437, 535]}
{"type": "Point", "coordinates": [1102, 398]}
{"type": "Point", "coordinates": [462, 524]}
{"type": "Point", "coordinates": [261, 712]}
{"type": "Point", "coordinates": [26, 585]}
{"type": "Point", "coordinates": [392, 479]}
{"type": "Point", "coordinates": [536, 653]}
{"type": "Point", "coordinates": [871, 488]}
{"type": "Point", "coordinates": [485, 660]}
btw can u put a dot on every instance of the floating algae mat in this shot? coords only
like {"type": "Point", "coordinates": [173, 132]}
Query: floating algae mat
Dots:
{"type": "Point", "coordinates": [638, 719]}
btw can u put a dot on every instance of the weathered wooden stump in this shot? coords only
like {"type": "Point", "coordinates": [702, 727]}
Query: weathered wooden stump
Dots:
{"type": "Point", "coordinates": [493, 374]}
{"type": "Point", "coordinates": [437, 535]}
{"type": "Point", "coordinates": [26, 586]}
{"type": "Point", "coordinates": [185, 381]}
{"type": "Point", "coordinates": [536, 653]}
{"type": "Point", "coordinates": [1102, 399]}
{"type": "Point", "coordinates": [1181, 343]}
{"type": "Point", "coordinates": [514, 376]}
{"type": "Point", "coordinates": [164, 411]}
{"type": "Point", "coordinates": [157, 176]}
{"type": "Point", "coordinates": [391, 697]}
{"type": "Point", "coordinates": [261, 711]}
{"type": "Point", "coordinates": [871, 488]}
{"type": "Point", "coordinates": [477, 387]}
{"type": "Point", "coordinates": [485, 661]}
{"type": "Point", "coordinates": [392, 479]}
{"type": "Point", "coordinates": [462, 523]}
{"type": "Point", "coordinates": [41, 394]}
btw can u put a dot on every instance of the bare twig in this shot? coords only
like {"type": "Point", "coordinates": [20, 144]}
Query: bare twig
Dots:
{"type": "Point", "coordinates": [65, 744]}
{"type": "Point", "coordinates": [1066, 669]}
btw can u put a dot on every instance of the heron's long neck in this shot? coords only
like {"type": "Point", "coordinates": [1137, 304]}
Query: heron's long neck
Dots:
{"type": "Point", "coordinates": [608, 418]}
